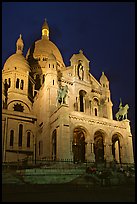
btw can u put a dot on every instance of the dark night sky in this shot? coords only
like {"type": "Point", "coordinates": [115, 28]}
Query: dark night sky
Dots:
{"type": "Point", "coordinates": [105, 32]}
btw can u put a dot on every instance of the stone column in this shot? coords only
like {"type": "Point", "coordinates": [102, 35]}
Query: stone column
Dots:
{"type": "Point", "coordinates": [123, 154]}
{"type": "Point", "coordinates": [89, 152]}
{"type": "Point", "coordinates": [108, 152]}
{"type": "Point", "coordinates": [92, 152]}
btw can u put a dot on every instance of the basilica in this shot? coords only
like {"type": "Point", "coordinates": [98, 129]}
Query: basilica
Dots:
{"type": "Point", "coordinates": [50, 111]}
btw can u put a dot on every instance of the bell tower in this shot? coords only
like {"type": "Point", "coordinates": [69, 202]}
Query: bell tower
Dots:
{"type": "Point", "coordinates": [18, 85]}
{"type": "Point", "coordinates": [107, 106]}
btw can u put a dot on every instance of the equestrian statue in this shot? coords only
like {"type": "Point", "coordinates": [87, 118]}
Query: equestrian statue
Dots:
{"type": "Point", "coordinates": [122, 113]}
{"type": "Point", "coordinates": [62, 93]}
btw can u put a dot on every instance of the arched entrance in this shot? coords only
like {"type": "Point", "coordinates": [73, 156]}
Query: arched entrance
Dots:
{"type": "Point", "coordinates": [116, 148]}
{"type": "Point", "coordinates": [79, 145]}
{"type": "Point", "coordinates": [54, 144]}
{"type": "Point", "coordinates": [99, 147]}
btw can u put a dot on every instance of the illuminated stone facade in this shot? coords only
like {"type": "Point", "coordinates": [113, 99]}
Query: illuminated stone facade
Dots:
{"type": "Point", "coordinates": [37, 124]}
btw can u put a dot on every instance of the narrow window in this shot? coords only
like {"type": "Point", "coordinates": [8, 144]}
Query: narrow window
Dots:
{"type": "Point", "coordinates": [53, 81]}
{"type": "Point", "coordinates": [11, 138]}
{"type": "Point", "coordinates": [81, 104]}
{"type": "Point", "coordinates": [54, 145]}
{"type": "Point", "coordinates": [90, 106]}
{"type": "Point", "coordinates": [30, 89]}
{"type": "Point", "coordinates": [49, 65]}
{"type": "Point", "coordinates": [17, 83]}
{"type": "Point", "coordinates": [20, 135]}
{"type": "Point", "coordinates": [53, 65]}
{"type": "Point", "coordinates": [21, 84]}
{"type": "Point", "coordinates": [43, 78]}
{"type": "Point", "coordinates": [95, 111]}
{"type": "Point", "coordinates": [38, 84]}
{"type": "Point", "coordinates": [28, 139]}
{"type": "Point", "coordinates": [9, 82]}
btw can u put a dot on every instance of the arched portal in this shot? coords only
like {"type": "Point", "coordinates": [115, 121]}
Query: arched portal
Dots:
{"type": "Point", "coordinates": [116, 148]}
{"type": "Point", "coordinates": [54, 145]}
{"type": "Point", "coordinates": [79, 145]}
{"type": "Point", "coordinates": [99, 147]}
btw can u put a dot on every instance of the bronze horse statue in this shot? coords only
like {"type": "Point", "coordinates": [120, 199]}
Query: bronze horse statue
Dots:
{"type": "Point", "coordinates": [122, 113]}
{"type": "Point", "coordinates": [62, 93]}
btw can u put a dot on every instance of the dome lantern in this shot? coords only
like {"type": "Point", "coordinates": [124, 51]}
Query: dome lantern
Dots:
{"type": "Point", "coordinates": [19, 45]}
{"type": "Point", "coordinates": [45, 30]}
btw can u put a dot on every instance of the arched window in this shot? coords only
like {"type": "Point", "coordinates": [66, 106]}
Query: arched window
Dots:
{"type": "Point", "coordinates": [20, 135]}
{"type": "Point", "coordinates": [17, 83]}
{"type": "Point", "coordinates": [28, 139]}
{"type": "Point", "coordinates": [11, 138]}
{"type": "Point", "coordinates": [96, 112]}
{"type": "Point", "coordinates": [81, 104]}
{"type": "Point", "coordinates": [82, 94]}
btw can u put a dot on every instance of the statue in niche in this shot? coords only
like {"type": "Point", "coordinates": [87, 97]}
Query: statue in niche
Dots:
{"type": "Point", "coordinates": [80, 70]}
{"type": "Point", "coordinates": [122, 113]}
{"type": "Point", "coordinates": [62, 93]}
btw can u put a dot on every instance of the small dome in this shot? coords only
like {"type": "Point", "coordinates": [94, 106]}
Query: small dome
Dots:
{"type": "Point", "coordinates": [45, 47]}
{"type": "Point", "coordinates": [16, 61]}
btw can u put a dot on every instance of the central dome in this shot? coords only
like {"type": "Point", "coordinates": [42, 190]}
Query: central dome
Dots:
{"type": "Point", "coordinates": [43, 48]}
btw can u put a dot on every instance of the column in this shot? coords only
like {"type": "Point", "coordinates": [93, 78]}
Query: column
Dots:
{"type": "Point", "coordinates": [108, 152]}
{"type": "Point", "coordinates": [92, 152]}
{"type": "Point", "coordinates": [89, 152]}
